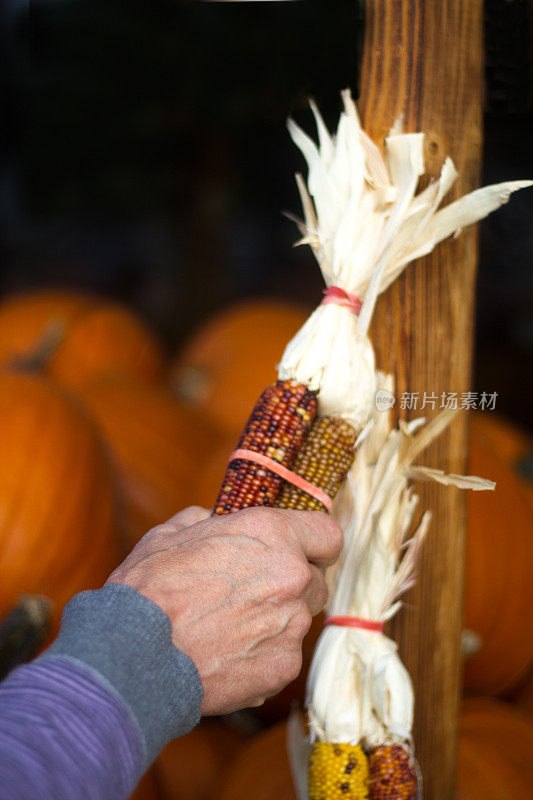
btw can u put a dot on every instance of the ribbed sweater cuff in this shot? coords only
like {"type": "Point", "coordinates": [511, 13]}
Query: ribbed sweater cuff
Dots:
{"type": "Point", "coordinates": [126, 640]}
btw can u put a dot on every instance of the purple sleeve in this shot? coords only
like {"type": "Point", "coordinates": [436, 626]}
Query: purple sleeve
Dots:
{"type": "Point", "coordinates": [87, 718]}
{"type": "Point", "coordinates": [64, 736]}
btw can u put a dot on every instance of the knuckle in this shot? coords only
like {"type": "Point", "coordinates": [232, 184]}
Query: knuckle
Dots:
{"type": "Point", "coordinates": [322, 589]}
{"type": "Point", "coordinates": [334, 534]}
{"type": "Point", "coordinates": [167, 528]}
{"type": "Point", "coordinates": [260, 522]}
{"type": "Point", "coordinates": [294, 665]}
{"type": "Point", "coordinates": [274, 681]}
{"type": "Point", "coordinates": [320, 585]}
{"type": "Point", "coordinates": [302, 621]}
{"type": "Point", "coordinates": [282, 669]}
{"type": "Point", "coordinates": [274, 522]}
{"type": "Point", "coordinates": [159, 530]}
{"type": "Point", "coordinates": [197, 510]}
{"type": "Point", "coordinates": [193, 514]}
{"type": "Point", "coordinates": [299, 577]}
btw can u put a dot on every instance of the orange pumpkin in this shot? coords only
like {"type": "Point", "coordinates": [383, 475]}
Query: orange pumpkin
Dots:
{"type": "Point", "coordinates": [106, 340]}
{"type": "Point", "coordinates": [37, 321]}
{"type": "Point", "coordinates": [498, 585]}
{"type": "Point", "coordinates": [495, 752]}
{"type": "Point", "coordinates": [510, 443]}
{"type": "Point", "coordinates": [76, 338]}
{"type": "Point", "coordinates": [209, 475]}
{"type": "Point", "coordinates": [523, 695]}
{"type": "Point", "coordinates": [156, 447]}
{"type": "Point", "coordinates": [57, 508]}
{"type": "Point", "coordinates": [225, 366]}
{"type": "Point", "coordinates": [261, 771]}
{"type": "Point", "coordinates": [148, 788]}
{"type": "Point", "coordinates": [191, 767]}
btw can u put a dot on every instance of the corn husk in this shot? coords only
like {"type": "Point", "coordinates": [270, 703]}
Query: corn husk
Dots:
{"type": "Point", "coordinates": [358, 689]}
{"type": "Point", "coordinates": [365, 224]}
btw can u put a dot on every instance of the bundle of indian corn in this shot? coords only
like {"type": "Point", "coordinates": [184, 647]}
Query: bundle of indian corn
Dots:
{"type": "Point", "coordinates": [359, 696]}
{"type": "Point", "coordinates": [365, 223]}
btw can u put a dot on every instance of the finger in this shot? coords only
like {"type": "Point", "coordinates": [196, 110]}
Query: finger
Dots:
{"type": "Point", "coordinates": [189, 516]}
{"type": "Point", "coordinates": [318, 534]}
{"type": "Point", "coordinates": [179, 522]}
{"type": "Point", "coordinates": [256, 702]}
{"type": "Point", "coordinates": [316, 594]}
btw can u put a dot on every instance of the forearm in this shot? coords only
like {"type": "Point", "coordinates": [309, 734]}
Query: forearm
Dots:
{"type": "Point", "coordinates": [62, 736]}
{"type": "Point", "coordinates": [88, 717]}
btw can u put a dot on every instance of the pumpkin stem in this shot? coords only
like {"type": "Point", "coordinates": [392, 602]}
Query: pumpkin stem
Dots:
{"type": "Point", "coordinates": [36, 359]}
{"type": "Point", "coordinates": [23, 631]}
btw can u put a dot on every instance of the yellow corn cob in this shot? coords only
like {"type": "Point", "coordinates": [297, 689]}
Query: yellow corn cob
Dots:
{"type": "Point", "coordinates": [324, 460]}
{"type": "Point", "coordinates": [277, 427]}
{"type": "Point", "coordinates": [338, 772]}
{"type": "Point", "coordinates": [392, 774]}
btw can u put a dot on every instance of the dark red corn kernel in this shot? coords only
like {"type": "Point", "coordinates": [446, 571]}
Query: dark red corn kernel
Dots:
{"type": "Point", "coordinates": [277, 428]}
{"type": "Point", "coordinates": [392, 774]}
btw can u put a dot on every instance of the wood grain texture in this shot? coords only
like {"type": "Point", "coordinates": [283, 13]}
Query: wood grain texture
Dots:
{"type": "Point", "coordinates": [424, 60]}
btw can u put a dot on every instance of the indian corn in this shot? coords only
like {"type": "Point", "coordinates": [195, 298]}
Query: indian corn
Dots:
{"type": "Point", "coordinates": [338, 772]}
{"type": "Point", "coordinates": [277, 427]}
{"type": "Point", "coordinates": [392, 774]}
{"type": "Point", "coordinates": [324, 460]}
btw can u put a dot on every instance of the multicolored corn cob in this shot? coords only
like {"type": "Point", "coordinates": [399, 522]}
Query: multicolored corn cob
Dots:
{"type": "Point", "coordinates": [277, 428]}
{"type": "Point", "coordinates": [338, 772]}
{"type": "Point", "coordinates": [324, 460]}
{"type": "Point", "coordinates": [392, 774]}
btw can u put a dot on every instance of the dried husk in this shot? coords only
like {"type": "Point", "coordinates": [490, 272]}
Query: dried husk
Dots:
{"type": "Point", "coordinates": [358, 689]}
{"type": "Point", "coordinates": [365, 224]}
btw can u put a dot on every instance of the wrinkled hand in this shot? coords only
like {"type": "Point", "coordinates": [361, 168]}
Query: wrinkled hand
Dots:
{"type": "Point", "coordinates": [240, 591]}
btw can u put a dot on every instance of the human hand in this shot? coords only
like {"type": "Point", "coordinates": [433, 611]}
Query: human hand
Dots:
{"type": "Point", "coordinates": [240, 591]}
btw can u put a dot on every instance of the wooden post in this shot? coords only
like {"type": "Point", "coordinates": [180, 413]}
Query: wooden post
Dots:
{"type": "Point", "coordinates": [423, 59]}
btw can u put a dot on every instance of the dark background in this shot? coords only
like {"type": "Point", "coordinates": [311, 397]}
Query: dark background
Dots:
{"type": "Point", "coordinates": [145, 156]}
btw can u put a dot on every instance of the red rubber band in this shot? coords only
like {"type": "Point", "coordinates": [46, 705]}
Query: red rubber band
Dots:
{"type": "Point", "coordinates": [339, 296]}
{"type": "Point", "coordinates": [286, 474]}
{"type": "Point", "coordinates": [355, 622]}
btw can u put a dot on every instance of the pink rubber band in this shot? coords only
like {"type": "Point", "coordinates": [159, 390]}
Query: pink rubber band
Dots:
{"type": "Point", "coordinates": [286, 474]}
{"type": "Point", "coordinates": [334, 294]}
{"type": "Point", "coordinates": [355, 622]}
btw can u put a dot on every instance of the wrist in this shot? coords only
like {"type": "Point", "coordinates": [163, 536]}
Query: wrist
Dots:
{"type": "Point", "coordinates": [125, 639]}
